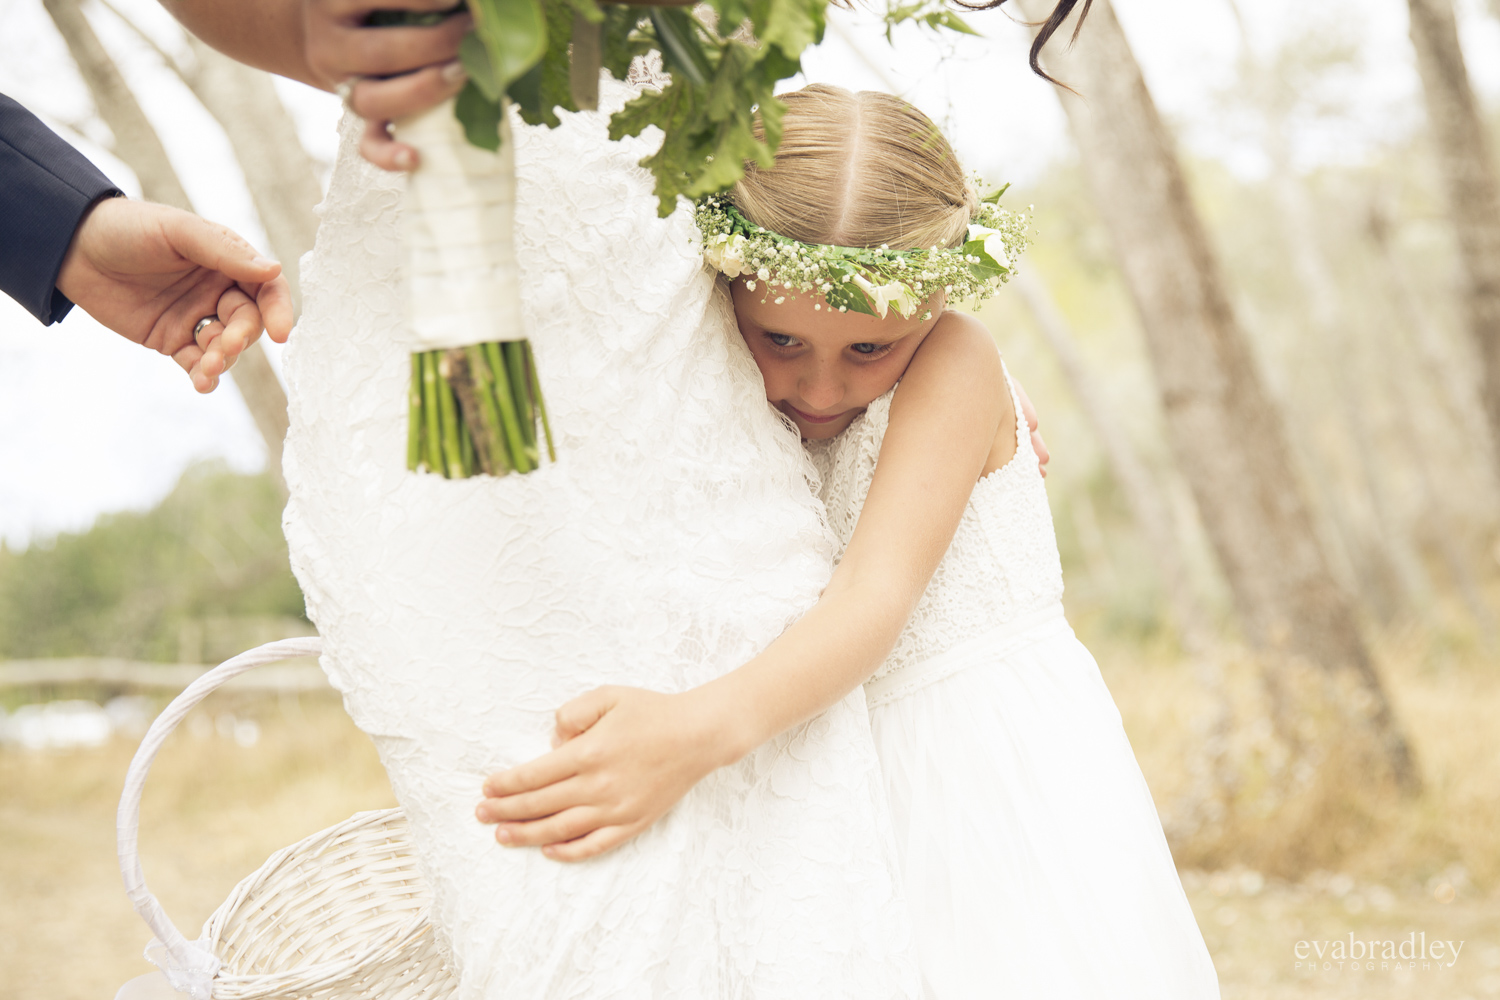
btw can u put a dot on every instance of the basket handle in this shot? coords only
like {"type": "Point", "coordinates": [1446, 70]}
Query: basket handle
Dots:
{"type": "Point", "coordinates": [188, 965]}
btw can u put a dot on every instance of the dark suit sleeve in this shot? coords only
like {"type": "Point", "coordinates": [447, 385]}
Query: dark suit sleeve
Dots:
{"type": "Point", "coordinates": [46, 186]}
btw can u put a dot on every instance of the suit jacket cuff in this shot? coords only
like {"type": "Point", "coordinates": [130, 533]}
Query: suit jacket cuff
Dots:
{"type": "Point", "coordinates": [46, 188]}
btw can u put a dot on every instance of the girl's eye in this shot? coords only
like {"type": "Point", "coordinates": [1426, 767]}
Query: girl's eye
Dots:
{"type": "Point", "coordinates": [868, 348]}
{"type": "Point", "coordinates": [779, 339]}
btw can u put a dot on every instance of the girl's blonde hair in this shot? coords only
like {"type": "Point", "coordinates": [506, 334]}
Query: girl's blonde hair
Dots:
{"type": "Point", "coordinates": [859, 169]}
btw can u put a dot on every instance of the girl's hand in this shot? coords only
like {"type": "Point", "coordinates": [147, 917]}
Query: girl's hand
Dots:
{"type": "Point", "coordinates": [623, 757]}
{"type": "Point", "coordinates": [1043, 456]}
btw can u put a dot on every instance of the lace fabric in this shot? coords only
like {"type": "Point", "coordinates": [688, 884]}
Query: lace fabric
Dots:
{"type": "Point", "coordinates": [1003, 561]}
{"type": "Point", "coordinates": [1034, 860]}
{"type": "Point", "coordinates": [674, 538]}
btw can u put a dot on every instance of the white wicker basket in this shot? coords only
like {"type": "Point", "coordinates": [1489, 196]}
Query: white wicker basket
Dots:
{"type": "Point", "coordinates": [341, 914]}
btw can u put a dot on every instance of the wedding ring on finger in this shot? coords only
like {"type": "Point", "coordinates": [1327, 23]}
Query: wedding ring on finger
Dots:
{"type": "Point", "coordinates": [202, 325]}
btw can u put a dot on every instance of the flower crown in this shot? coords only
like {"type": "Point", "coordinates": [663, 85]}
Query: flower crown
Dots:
{"type": "Point", "coordinates": [866, 280]}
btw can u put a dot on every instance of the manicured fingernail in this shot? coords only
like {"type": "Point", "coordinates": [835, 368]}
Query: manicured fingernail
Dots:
{"type": "Point", "coordinates": [454, 72]}
{"type": "Point", "coordinates": [405, 159]}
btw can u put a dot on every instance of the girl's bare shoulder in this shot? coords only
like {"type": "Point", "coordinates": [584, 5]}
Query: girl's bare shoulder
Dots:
{"type": "Point", "coordinates": [958, 356]}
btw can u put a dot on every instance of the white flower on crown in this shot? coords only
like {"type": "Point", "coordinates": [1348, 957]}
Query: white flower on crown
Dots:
{"type": "Point", "coordinates": [892, 293]}
{"type": "Point", "coordinates": [994, 243]}
{"type": "Point", "coordinates": [726, 253]}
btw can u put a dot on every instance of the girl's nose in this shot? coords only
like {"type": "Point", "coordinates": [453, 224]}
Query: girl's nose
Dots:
{"type": "Point", "coordinates": [820, 389]}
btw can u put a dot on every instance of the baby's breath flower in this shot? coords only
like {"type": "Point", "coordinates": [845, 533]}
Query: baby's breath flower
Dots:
{"type": "Point", "coordinates": [865, 279]}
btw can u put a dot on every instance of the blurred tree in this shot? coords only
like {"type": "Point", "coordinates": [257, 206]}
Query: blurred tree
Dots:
{"type": "Point", "coordinates": [1438, 374]}
{"type": "Point", "coordinates": [1213, 774]}
{"type": "Point", "coordinates": [1146, 500]}
{"type": "Point", "coordinates": [281, 176]}
{"type": "Point", "coordinates": [134, 584]}
{"type": "Point", "coordinates": [137, 144]}
{"type": "Point", "coordinates": [1468, 172]}
{"type": "Point", "coordinates": [1224, 428]}
{"type": "Point", "coordinates": [1274, 91]}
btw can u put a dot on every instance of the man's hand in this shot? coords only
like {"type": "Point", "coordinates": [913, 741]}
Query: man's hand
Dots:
{"type": "Point", "coordinates": [150, 273]}
{"type": "Point", "coordinates": [624, 757]}
{"type": "Point", "coordinates": [394, 71]}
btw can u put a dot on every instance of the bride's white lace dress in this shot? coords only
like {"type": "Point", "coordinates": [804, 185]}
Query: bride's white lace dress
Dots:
{"type": "Point", "coordinates": [675, 536]}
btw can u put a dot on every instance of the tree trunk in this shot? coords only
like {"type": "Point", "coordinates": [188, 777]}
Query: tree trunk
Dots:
{"type": "Point", "coordinates": [1340, 357]}
{"type": "Point", "coordinates": [1147, 506]}
{"type": "Point", "coordinates": [1226, 433]}
{"type": "Point", "coordinates": [1468, 173]}
{"type": "Point", "coordinates": [282, 178]}
{"type": "Point", "coordinates": [1213, 774]}
{"type": "Point", "coordinates": [1443, 388]}
{"type": "Point", "coordinates": [137, 144]}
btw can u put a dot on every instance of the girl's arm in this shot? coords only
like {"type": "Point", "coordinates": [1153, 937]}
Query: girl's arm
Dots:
{"type": "Point", "coordinates": [625, 756]}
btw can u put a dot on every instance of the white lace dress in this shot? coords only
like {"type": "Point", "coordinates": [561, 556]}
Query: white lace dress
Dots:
{"type": "Point", "coordinates": [674, 538]}
{"type": "Point", "coordinates": [1033, 856]}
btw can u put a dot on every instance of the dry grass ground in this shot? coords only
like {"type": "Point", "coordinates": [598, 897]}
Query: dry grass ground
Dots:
{"type": "Point", "coordinates": [1429, 865]}
{"type": "Point", "coordinates": [214, 810]}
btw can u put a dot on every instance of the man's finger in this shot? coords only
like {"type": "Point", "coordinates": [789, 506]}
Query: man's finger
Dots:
{"type": "Point", "coordinates": [189, 358]}
{"type": "Point", "coordinates": [216, 247]}
{"type": "Point", "coordinates": [399, 96]}
{"type": "Point", "coordinates": [223, 339]}
{"type": "Point", "coordinates": [241, 330]}
{"type": "Point", "coordinates": [191, 300]}
{"type": "Point", "coordinates": [274, 300]}
{"type": "Point", "coordinates": [548, 769]}
{"type": "Point", "coordinates": [567, 825]}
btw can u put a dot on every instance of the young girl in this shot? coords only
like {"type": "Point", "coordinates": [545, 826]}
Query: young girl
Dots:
{"type": "Point", "coordinates": [1032, 855]}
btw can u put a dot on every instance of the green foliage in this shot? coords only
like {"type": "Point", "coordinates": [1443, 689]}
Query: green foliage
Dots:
{"type": "Point", "coordinates": [724, 69]}
{"type": "Point", "coordinates": [547, 85]}
{"type": "Point", "coordinates": [479, 116]}
{"type": "Point", "coordinates": [707, 113]}
{"type": "Point", "coordinates": [125, 587]}
{"type": "Point", "coordinates": [933, 14]}
{"type": "Point", "coordinates": [514, 33]}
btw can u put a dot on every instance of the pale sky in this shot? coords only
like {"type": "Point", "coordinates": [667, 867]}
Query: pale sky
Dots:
{"type": "Point", "coordinates": [91, 424]}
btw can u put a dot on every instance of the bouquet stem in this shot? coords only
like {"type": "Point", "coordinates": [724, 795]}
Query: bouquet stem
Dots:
{"type": "Point", "coordinates": [475, 410]}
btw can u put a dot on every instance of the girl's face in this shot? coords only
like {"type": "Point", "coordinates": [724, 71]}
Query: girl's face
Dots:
{"type": "Point", "coordinates": [823, 367]}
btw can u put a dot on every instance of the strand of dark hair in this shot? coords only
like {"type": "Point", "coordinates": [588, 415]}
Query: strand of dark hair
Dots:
{"type": "Point", "coordinates": [1049, 28]}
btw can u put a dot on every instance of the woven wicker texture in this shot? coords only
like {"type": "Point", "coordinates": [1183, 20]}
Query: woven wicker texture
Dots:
{"type": "Point", "coordinates": [341, 914]}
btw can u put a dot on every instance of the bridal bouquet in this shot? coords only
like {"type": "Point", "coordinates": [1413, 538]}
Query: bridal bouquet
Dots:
{"type": "Point", "coordinates": [476, 403]}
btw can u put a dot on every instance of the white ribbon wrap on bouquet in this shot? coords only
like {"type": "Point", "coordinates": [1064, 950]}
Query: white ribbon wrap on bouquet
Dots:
{"type": "Point", "coordinates": [460, 235]}
{"type": "Point", "coordinates": [673, 539]}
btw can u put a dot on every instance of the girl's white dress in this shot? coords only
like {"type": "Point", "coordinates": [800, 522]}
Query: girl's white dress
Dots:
{"type": "Point", "coordinates": [1032, 853]}
{"type": "Point", "coordinates": [674, 538]}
